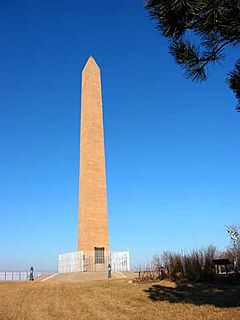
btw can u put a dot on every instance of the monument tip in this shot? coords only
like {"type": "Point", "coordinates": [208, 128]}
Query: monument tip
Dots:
{"type": "Point", "coordinates": [91, 62]}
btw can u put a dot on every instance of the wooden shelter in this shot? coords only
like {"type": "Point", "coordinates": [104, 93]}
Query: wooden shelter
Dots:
{"type": "Point", "coordinates": [221, 265]}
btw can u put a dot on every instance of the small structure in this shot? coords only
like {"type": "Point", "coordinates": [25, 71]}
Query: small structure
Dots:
{"type": "Point", "coordinates": [221, 265]}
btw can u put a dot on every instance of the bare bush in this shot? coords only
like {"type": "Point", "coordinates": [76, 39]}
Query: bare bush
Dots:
{"type": "Point", "coordinates": [196, 265]}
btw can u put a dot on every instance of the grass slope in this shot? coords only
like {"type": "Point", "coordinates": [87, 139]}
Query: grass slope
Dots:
{"type": "Point", "coordinates": [118, 299]}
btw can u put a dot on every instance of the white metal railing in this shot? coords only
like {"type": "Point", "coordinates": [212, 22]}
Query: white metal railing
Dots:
{"type": "Point", "coordinates": [17, 275]}
{"type": "Point", "coordinates": [87, 261]}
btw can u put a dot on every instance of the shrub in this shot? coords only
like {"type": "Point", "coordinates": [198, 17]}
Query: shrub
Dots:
{"type": "Point", "coordinates": [194, 266]}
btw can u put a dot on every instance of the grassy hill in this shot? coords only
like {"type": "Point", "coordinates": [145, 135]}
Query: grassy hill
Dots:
{"type": "Point", "coordinates": [118, 299]}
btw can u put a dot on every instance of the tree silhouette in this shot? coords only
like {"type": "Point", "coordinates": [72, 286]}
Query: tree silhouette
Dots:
{"type": "Point", "coordinates": [198, 32]}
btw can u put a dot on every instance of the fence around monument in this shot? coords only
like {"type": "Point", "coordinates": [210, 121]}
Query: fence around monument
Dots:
{"type": "Point", "coordinates": [120, 261]}
{"type": "Point", "coordinates": [83, 261]}
{"type": "Point", "coordinates": [17, 275]}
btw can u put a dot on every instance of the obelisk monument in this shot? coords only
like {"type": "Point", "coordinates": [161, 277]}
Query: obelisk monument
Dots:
{"type": "Point", "coordinates": [93, 220]}
{"type": "Point", "coordinates": [93, 253]}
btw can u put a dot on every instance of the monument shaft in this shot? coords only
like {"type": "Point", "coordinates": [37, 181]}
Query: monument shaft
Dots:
{"type": "Point", "coordinates": [93, 220]}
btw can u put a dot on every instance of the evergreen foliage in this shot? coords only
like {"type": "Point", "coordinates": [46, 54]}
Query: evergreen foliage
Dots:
{"type": "Point", "coordinates": [198, 32]}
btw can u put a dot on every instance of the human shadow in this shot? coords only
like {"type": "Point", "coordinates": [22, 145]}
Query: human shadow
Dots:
{"type": "Point", "coordinates": [217, 294]}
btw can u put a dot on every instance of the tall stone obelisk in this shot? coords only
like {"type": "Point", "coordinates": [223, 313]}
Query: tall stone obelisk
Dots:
{"type": "Point", "coordinates": [93, 220]}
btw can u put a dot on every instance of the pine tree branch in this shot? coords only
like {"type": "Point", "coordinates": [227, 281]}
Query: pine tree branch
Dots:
{"type": "Point", "coordinates": [214, 54]}
{"type": "Point", "coordinates": [215, 22]}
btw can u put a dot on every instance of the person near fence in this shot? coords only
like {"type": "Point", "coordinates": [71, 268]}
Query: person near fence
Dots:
{"type": "Point", "coordinates": [31, 275]}
{"type": "Point", "coordinates": [109, 271]}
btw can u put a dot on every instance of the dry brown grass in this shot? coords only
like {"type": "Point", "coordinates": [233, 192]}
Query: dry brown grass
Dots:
{"type": "Point", "coordinates": [118, 299]}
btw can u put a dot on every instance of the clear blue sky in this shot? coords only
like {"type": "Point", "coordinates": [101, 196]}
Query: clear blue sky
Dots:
{"type": "Point", "coordinates": [172, 146]}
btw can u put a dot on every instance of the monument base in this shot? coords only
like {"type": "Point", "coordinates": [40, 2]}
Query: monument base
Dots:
{"type": "Point", "coordinates": [84, 261]}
